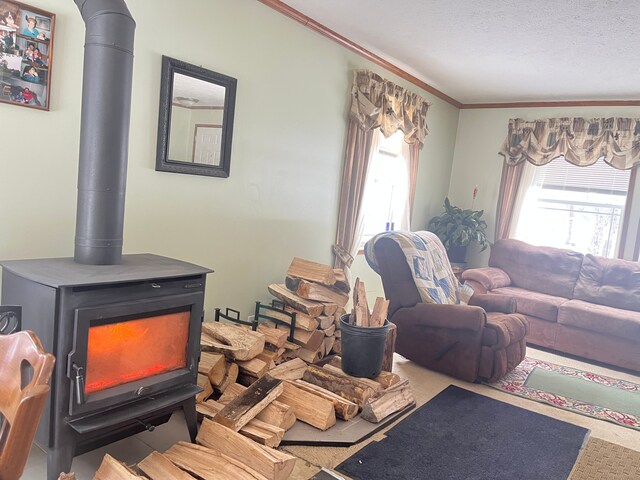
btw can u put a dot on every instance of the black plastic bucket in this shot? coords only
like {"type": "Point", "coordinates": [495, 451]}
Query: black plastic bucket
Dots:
{"type": "Point", "coordinates": [362, 348]}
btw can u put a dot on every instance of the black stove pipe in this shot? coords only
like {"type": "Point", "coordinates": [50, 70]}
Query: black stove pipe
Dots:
{"type": "Point", "coordinates": [104, 131]}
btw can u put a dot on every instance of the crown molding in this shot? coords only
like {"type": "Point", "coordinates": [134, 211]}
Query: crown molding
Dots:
{"type": "Point", "coordinates": [569, 103]}
{"type": "Point", "coordinates": [310, 23]}
{"type": "Point", "coordinates": [354, 47]}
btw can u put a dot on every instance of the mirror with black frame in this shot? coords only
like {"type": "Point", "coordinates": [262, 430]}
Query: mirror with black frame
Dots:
{"type": "Point", "coordinates": [195, 124]}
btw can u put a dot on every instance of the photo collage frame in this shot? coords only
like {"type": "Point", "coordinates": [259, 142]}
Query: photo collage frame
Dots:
{"type": "Point", "coordinates": [26, 54]}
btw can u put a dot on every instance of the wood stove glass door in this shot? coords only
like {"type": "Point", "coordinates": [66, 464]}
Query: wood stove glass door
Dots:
{"type": "Point", "coordinates": [125, 351]}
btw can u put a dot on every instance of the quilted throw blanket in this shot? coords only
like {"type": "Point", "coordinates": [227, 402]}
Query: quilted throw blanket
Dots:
{"type": "Point", "coordinates": [429, 264]}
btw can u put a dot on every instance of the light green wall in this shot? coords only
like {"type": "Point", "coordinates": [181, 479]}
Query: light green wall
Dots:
{"type": "Point", "coordinates": [476, 160]}
{"type": "Point", "coordinates": [281, 199]}
{"type": "Point", "coordinates": [179, 140]}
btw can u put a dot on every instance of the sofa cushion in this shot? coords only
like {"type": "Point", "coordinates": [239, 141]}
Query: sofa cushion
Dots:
{"type": "Point", "coordinates": [549, 270]}
{"type": "Point", "coordinates": [608, 281]}
{"type": "Point", "coordinates": [535, 304]}
{"type": "Point", "coordinates": [601, 319]}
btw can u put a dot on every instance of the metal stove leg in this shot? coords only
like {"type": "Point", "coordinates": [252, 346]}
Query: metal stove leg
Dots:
{"type": "Point", "coordinates": [190, 416]}
{"type": "Point", "coordinates": [60, 457]}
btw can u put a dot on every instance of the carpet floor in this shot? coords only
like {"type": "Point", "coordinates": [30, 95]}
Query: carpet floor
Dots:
{"type": "Point", "coordinates": [580, 391]}
{"type": "Point", "coordinates": [601, 460]}
{"type": "Point", "coordinates": [427, 384]}
{"type": "Point", "coordinates": [462, 435]}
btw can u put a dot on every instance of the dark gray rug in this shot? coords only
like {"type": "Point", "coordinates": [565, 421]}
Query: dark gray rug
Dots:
{"type": "Point", "coordinates": [460, 435]}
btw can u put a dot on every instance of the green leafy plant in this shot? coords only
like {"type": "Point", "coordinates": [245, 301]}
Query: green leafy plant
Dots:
{"type": "Point", "coordinates": [458, 228]}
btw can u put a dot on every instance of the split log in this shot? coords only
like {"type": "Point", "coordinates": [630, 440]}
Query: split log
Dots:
{"type": "Point", "coordinates": [308, 407]}
{"type": "Point", "coordinates": [234, 342]}
{"type": "Point", "coordinates": [315, 291]}
{"type": "Point", "coordinates": [239, 411]}
{"type": "Point", "coordinates": [291, 346]}
{"type": "Point", "coordinates": [273, 336]}
{"type": "Point", "coordinates": [231, 392]}
{"type": "Point", "coordinates": [385, 379]}
{"type": "Point", "coordinates": [68, 476]}
{"type": "Point", "coordinates": [330, 308]}
{"type": "Point", "coordinates": [311, 356]}
{"type": "Point", "coordinates": [389, 348]}
{"type": "Point", "coordinates": [325, 321]}
{"type": "Point", "coordinates": [327, 345]}
{"type": "Point", "coordinates": [282, 293]}
{"type": "Point", "coordinates": [291, 370]}
{"type": "Point", "coordinates": [262, 432]}
{"type": "Point", "coordinates": [379, 313]}
{"type": "Point", "coordinates": [308, 340]}
{"type": "Point", "coordinates": [158, 467]}
{"type": "Point", "coordinates": [337, 347]}
{"type": "Point", "coordinates": [372, 384]}
{"type": "Point", "coordinates": [203, 381]}
{"type": "Point", "coordinates": [392, 400]}
{"type": "Point", "coordinates": [335, 362]}
{"type": "Point", "coordinates": [276, 413]}
{"type": "Point", "coordinates": [342, 283]}
{"type": "Point", "coordinates": [268, 356]}
{"type": "Point", "coordinates": [208, 464]}
{"type": "Point", "coordinates": [254, 367]}
{"type": "Point", "coordinates": [213, 366]}
{"type": "Point", "coordinates": [303, 321]}
{"type": "Point", "coordinates": [360, 315]}
{"type": "Point", "coordinates": [230, 377]}
{"type": "Point", "coordinates": [345, 409]}
{"type": "Point", "coordinates": [329, 331]}
{"type": "Point", "coordinates": [112, 469]}
{"type": "Point", "coordinates": [246, 380]}
{"type": "Point", "coordinates": [342, 385]}
{"type": "Point", "coordinates": [270, 463]}
{"type": "Point", "coordinates": [311, 271]}
{"type": "Point", "coordinates": [339, 313]}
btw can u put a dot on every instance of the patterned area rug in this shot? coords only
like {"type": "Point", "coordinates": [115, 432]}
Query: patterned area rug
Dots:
{"type": "Point", "coordinates": [578, 391]}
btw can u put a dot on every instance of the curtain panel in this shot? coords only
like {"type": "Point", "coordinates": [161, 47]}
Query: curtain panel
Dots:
{"type": "Point", "coordinates": [375, 103]}
{"type": "Point", "coordinates": [581, 141]}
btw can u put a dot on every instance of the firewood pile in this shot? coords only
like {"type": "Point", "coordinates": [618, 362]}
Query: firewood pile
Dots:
{"type": "Point", "coordinates": [317, 294]}
{"type": "Point", "coordinates": [243, 426]}
{"type": "Point", "coordinates": [257, 385]}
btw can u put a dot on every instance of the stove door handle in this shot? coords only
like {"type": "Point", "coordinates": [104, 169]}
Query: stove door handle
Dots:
{"type": "Point", "coordinates": [79, 384]}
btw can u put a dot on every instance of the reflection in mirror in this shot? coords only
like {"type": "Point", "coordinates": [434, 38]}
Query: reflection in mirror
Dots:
{"type": "Point", "coordinates": [196, 120]}
{"type": "Point", "coordinates": [197, 113]}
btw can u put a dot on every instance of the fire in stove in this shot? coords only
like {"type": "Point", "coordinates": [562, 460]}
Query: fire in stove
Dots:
{"type": "Point", "coordinates": [123, 352]}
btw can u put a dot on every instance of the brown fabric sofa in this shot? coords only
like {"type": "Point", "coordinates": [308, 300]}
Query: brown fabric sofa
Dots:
{"type": "Point", "coordinates": [480, 341]}
{"type": "Point", "coordinates": [580, 304]}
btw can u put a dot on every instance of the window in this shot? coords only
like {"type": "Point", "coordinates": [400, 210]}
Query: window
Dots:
{"type": "Point", "coordinates": [579, 208]}
{"type": "Point", "coordinates": [386, 194]}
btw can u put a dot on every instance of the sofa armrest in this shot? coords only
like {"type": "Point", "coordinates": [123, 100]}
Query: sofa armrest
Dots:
{"type": "Point", "coordinates": [454, 317]}
{"type": "Point", "coordinates": [494, 302]}
{"type": "Point", "coordinates": [488, 277]}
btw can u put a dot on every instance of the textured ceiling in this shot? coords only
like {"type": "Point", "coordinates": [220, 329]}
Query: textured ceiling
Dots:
{"type": "Point", "coordinates": [499, 50]}
{"type": "Point", "coordinates": [207, 94]}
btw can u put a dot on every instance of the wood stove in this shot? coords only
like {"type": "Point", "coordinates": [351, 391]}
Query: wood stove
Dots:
{"type": "Point", "coordinates": [126, 342]}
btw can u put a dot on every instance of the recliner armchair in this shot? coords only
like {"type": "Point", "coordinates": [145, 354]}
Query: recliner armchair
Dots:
{"type": "Point", "coordinates": [480, 341]}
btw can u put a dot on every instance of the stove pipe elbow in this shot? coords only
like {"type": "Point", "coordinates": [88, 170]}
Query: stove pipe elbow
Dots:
{"type": "Point", "coordinates": [104, 131]}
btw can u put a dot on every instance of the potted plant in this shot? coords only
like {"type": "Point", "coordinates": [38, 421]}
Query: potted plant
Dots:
{"type": "Point", "coordinates": [457, 228]}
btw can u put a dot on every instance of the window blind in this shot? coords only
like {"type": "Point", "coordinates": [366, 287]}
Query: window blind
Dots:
{"type": "Point", "coordinates": [600, 177]}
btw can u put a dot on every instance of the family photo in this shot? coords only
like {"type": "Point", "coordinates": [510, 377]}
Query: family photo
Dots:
{"type": "Point", "coordinates": [26, 41]}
